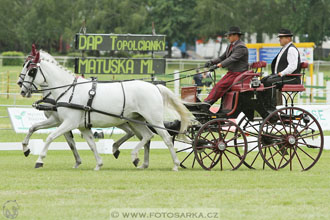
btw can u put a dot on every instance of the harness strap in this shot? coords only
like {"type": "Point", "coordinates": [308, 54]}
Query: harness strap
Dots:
{"type": "Point", "coordinates": [86, 108]}
{"type": "Point", "coordinates": [73, 84]}
{"type": "Point", "coordinates": [45, 99]}
{"type": "Point", "coordinates": [91, 93]}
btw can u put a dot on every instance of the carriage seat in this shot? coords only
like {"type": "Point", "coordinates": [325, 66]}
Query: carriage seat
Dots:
{"type": "Point", "coordinates": [188, 94]}
{"type": "Point", "coordinates": [296, 87]}
{"type": "Point", "coordinates": [242, 82]}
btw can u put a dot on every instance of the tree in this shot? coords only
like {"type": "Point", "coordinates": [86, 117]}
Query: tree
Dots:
{"type": "Point", "coordinates": [172, 18]}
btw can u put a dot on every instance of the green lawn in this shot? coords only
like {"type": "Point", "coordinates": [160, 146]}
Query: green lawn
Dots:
{"type": "Point", "coordinates": [59, 192]}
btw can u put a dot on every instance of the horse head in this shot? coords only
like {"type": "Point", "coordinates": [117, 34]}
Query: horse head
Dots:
{"type": "Point", "coordinates": [31, 76]}
{"type": "Point", "coordinates": [26, 64]}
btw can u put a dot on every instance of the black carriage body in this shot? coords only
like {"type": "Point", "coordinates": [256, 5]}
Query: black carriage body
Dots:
{"type": "Point", "coordinates": [240, 97]}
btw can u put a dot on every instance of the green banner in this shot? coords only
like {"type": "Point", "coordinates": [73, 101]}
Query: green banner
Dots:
{"type": "Point", "coordinates": [120, 42]}
{"type": "Point", "coordinates": [119, 66]}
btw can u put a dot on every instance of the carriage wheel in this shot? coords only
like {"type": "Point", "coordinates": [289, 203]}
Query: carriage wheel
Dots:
{"type": "Point", "coordinates": [189, 157]}
{"type": "Point", "coordinates": [215, 143]}
{"type": "Point", "coordinates": [251, 131]}
{"type": "Point", "coordinates": [290, 135]}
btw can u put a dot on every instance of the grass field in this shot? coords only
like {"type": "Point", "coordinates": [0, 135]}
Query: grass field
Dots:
{"type": "Point", "coordinates": [59, 192]}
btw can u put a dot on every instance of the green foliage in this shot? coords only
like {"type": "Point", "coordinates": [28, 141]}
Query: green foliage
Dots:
{"type": "Point", "coordinates": [52, 24]}
{"type": "Point", "coordinates": [71, 62]}
{"type": "Point", "coordinates": [12, 61]}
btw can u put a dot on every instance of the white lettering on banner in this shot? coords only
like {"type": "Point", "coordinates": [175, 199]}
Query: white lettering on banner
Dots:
{"type": "Point", "coordinates": [23, 118]}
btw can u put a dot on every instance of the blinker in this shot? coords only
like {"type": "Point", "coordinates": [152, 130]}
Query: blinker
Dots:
{"type": "Point", "coordinates": [33, 72]}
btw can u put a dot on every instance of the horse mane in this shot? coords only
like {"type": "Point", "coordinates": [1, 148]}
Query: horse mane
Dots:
{"type": "Point", "coordinates": [45, 56]}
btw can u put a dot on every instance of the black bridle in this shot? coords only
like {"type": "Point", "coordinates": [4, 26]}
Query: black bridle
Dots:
{"type": "Point", "coordinates": [32, 71]}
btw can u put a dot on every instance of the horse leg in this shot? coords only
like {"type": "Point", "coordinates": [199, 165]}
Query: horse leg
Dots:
{"type": "Point", "coordinates": [117, 144]}
{"type": "Point", "coordinates": [146, 146]}
{"type": "Point", "coordinates": [66, 126]}
{"type": "Point", "coordinates": [146, 156]}
{"type": "Point", "coordinates": [88, 136]}
{"type": "Point", "coordinates": [48, 123]}
{"type": "Point", "coordinates": [69, 139]}
{"type": "Point", "coordinates": [144, 134]}
{"type": "Point", "coordinates": [168, 141]}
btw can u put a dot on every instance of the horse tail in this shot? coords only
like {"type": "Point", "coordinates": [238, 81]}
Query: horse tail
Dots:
{"type": "Point", "coordinates": [171, 100]}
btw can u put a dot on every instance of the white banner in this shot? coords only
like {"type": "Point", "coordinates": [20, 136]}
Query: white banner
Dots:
{"type": "Point", "coordinates": [23, 118]}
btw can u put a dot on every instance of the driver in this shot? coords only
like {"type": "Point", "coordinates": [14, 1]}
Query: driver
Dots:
{"type": "Point", "coordinates": [235, 59]}
{"type": "Point", "coordinates": [287, 61]}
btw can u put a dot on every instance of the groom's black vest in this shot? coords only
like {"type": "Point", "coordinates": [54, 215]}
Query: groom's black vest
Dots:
{"type": "Point", "coordinates": [283, 63]}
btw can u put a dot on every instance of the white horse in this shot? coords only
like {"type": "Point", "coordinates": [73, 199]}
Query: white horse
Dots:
{"type": "Point", "coordinates": [136, 101]}
{"type": "Point", "coordinates": [52, 117]}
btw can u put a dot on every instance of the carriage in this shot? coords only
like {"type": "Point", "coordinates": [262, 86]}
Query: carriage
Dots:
{"type": "Point", "coordinates": [289, 136]}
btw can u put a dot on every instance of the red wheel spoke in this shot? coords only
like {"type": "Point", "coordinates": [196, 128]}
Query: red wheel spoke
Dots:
{"type": "Point", "coordinates": [221, 167]}
{"type": "Point", "coordinates": [204, 147]}
{"type": "Point", "coordinates": [306, 153]}
{"type": "Point", "coordinates": [308, 135]}
{"type": "Point", "coordinates": [286, 132]}
{"type": "Point", "coordinates": [238, 145]}
{"type": "Point", "coordinates": [184, 149]}
{"type": "Point", "coordinates": [214, 138]}
{"type": "Point", "coordinates": [239, 156]}
{"type": "Point", "coordinates": [277, 152]}
{"type": "Point", "coordinates": [298, 158]}
{"type": "Point", "coordinates": [187, 157]}
{"type": "Point", "coordinates": [309, 145]}
{"type": "Point", "coordinates": [252, 149]}
{"type": "Point", "coordinates": [272, 144]}
{"type": "Point", "coordinates": [207, 155]}
{"type": "Point", "coordinates": [207, 140]}
{"type": "Point", "coordinates": [263, 166]}
{"type": "Point", "coordinates": [298, 124]}
{"type": "Point", "coordinates": [228, 160]}
{"type": "Point", "coordinates": [305, 127]}
{"type": "Point", "coordinates": [214, 161]}
{"type": "Point", "coordinates": [279, 131]}
{"type": "Point", "coordinates": [272, 157]}
{"type": "Point", "coordinates": [193, 164]}
{"type": "Point", "coordinates": [271, 136]}
{"type": "Point", "coordinates": [254, 127]}
{"type": "Point", "coordinates": [255, 158]}
{"type": "Point", "coordinates": [283, 157]}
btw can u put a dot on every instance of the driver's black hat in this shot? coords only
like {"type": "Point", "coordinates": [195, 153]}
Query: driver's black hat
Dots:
{"type": "Point", "coordinates": [284, 33]}
{"type": "Point", "coordinates": [234, 30]}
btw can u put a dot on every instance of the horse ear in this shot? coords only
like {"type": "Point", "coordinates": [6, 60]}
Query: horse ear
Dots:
{"type": "Point", "coordinates": [33, 51]}
{"type": "Point", "coordinates": [36, 59]}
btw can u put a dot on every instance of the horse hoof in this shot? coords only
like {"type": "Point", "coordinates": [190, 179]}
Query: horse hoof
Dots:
{"type": "Point", "coordinates": [116, 154]}
{"type": "Point", "coordinates": [136, 162]}
{"type": "Point", "coordinates": [175, 169]}
{"type": "Point", "coordinates": [76, 165]}
{"type": "Point", "coordinates": [26, 153]}
{"type": "Point", "coordinates": [38, 165]}
{"type": "Point", "coordinates": [143, 166]}
{"type": "Point", "coordinates": [98, 167]}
